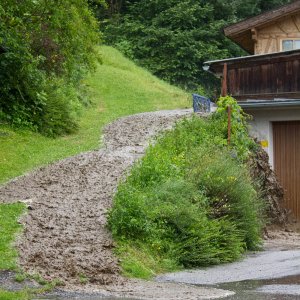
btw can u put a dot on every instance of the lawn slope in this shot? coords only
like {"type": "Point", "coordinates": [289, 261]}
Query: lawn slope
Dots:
{"type": "Point", "coordinates": [118, 88]}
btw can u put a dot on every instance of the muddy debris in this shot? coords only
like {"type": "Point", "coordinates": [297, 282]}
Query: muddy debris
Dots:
{"type": "Point", "coordinates": [272, 191]}
{"type": "Point", "coordinates": [8, 282]}
{"type": "Point", "coordinates": [150, 290]}
{"type": "Point", "coordinates": [65, 234]}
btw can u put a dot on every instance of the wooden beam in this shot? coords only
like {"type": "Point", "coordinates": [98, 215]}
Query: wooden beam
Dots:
{"type": "Point", "coordinates": [224, 93]}
{"type": "Point", "coordinates": [295, 22]}
{"type": "Point", "coordinates": [224, 81]}
{"type": "Point", "coordinates": [268, 45]}
{"type": "Point", "coordinates": [280, 27]}
{"type": "Point", "coordinates": [254, 34]}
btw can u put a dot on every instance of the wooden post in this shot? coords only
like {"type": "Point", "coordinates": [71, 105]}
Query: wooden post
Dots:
{"type": "Point", "coordinates": [224, 93]}
{"type": "Point", "coordinates": [224, 81]}
{"type": "Point", "coordinates": [229, 124]}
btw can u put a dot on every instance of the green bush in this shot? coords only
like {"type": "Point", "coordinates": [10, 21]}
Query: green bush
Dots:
{"type": "Point", "coordinates": [190, 199]}
{"type": "Point", "coordinates": [230, 190]}
{"type": "Point", "coordinates": [46, 47]}
{"type": "Point", "coordinates": [61, 108]}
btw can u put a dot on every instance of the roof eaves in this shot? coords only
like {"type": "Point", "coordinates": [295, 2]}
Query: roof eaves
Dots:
{"type": "Point", "coordinates": [262, 19]}
{"type": "Point", "coordinates": [276, 103]}
{"type": "Point", "coordinates": [251, 57]}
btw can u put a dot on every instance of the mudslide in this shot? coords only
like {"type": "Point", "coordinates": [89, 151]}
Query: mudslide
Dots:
{"type": "Point", "coordinates": [65, 234]}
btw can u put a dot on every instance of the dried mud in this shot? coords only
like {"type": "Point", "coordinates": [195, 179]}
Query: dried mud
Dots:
{"type": "Point", "coordinates": [65, 234]}
{"type": "Point", "coordinates": [282, 238]}
{"type": "Point", "coordinates": [146, 290]}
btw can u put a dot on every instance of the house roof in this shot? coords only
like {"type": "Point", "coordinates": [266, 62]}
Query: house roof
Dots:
{"type": "Point", "coordinates": [216, 66]}
{"type": "Point", "coordinates": [274, 103]}
{"type": "Point", "coordinates": [241, 32]}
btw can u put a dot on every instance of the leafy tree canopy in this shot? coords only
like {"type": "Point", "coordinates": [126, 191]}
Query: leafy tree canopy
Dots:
{"type": "Point", "coordinates": [173, 38]}
{"type": "Point", "coordinates": [45, 48]}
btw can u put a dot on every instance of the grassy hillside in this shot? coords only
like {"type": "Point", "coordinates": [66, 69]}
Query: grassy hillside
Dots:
{"type": "Point", "coordinates": [118, 88]}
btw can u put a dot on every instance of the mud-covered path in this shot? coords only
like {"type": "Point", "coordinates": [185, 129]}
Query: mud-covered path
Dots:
{"type": "Point", "coordinates": [64, 232]}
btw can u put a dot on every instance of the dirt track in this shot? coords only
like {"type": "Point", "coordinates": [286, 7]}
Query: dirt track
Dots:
{"type": "Point", "coordinates": [64, 232]}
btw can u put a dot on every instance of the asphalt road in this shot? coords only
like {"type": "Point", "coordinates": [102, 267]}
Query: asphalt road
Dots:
{"type": "Point", "coordinates": [256, 266]}
{"type": "Point", "coordinates": [268, 275]}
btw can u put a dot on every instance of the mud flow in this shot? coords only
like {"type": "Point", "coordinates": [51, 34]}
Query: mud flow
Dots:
{"type": "Point", "coordinates": [65, 234]}
{"type": "Point", "coordinates": [83, 297]}
{"type": "Point", "coordinates": [273, 289]}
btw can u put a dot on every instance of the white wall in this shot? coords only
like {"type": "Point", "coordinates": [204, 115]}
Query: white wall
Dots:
{"type": "Point", "coordinates": [261, 124]}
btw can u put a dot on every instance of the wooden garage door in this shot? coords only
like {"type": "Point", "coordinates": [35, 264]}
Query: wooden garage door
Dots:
{"type": "Point", "coordinates": [286, 141]}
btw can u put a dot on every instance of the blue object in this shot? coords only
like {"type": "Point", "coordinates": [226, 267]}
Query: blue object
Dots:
{"type": "Point", "coordinates": [201, 103]}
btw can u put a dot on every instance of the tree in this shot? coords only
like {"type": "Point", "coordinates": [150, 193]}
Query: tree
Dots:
{"type": "Point", "coordinates": [172, 38]}
{"type": "Point", "coordinates": [253, 7]}
{"type": "Point", "coordinates": [47, 47]}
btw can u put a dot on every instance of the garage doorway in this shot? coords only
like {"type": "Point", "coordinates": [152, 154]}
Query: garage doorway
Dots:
{"type": "Point", "coordinates": [286, 145]}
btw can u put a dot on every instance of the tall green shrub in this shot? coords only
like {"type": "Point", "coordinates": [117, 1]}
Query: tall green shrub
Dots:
{"type": "Point", "coordinates": [190, 199]}
{"type": "Point", "coordinates": [42, 42]}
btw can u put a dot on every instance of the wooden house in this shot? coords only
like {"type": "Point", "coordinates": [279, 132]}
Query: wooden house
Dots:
{"type": "Point", "coordinates": [267, 85]}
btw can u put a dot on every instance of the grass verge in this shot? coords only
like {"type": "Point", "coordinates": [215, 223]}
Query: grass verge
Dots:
{"type": "Point", "coordinates": [118, 88]}
{"type": "Point", "coordinates": [21, 295]}
{"type": "Point", "coordinates": [27, 293]}
{"type": "Point", "coordinates": [9, 227]}
{"type": "Point", "coordinates": [138, 261]}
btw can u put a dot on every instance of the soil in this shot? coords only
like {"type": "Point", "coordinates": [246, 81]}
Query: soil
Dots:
{"type": "Point", "coordinates": [140, 289]}
{"type": "Point", "coordinates": [8, 282]}
{"type": "Point", "coordinates": [270, 189]}
{"type": "Point", "coordinates": [65, 234]}
{"type": "Point", "coordinates": [282, 238]}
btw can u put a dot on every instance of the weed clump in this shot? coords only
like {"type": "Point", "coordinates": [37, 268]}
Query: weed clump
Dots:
{"type": "Point", "coordinates": [190, 201]}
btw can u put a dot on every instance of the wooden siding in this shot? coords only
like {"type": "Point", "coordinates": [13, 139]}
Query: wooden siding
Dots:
{"type": "Point", "coordinates": [261, 34]}
{"type": "Point", "coordinates": [262, 19]}
{"type": "Point", "coordinates": [286, 141]}
{"type": "Point", "coordinates": [269, 38]}
{"type": "Point", "coordinates": [268, 79]}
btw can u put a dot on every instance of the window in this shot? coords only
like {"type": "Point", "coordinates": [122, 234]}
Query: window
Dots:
{"type": "Point", "coordinates": [290, 45]}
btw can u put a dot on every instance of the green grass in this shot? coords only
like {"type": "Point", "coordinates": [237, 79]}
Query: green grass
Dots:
{"type": "Point", "coordinates": [118, 88]}
{"type": "Point", "coordinates": [9, 227]}
{"type": "Point", "coordinates": [21, 295]}
{"type": "Point", "coordinates": [28, 293]}
{"type": "Point", "coordinates": [138, 261]}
